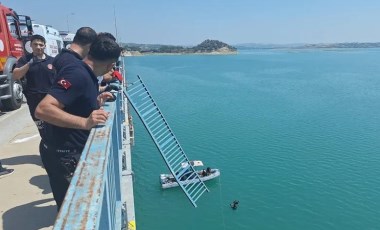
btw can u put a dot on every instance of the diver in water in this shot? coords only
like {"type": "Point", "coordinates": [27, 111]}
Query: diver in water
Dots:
{"type": "Point", "coordinates": [234, 204]}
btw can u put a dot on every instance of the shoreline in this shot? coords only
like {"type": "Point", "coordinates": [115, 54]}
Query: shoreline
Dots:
{"type": "Point", "coordinates": [137, 53]}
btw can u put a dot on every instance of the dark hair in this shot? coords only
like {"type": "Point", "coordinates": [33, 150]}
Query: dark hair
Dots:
{"type": "Point", "coordinates": [37, 37]}
{"type": "Point", "coordinates": [84, 36]}
{"type": "Point", "coordinates": [104, 49]}
{"type": "Point", "coordinates": [107, 35]}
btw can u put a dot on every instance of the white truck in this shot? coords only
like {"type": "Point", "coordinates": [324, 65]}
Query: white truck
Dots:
{"type": "Point", "coordinates": [67, 38]}
{"type": "Point", "coordinates": [54, 42]}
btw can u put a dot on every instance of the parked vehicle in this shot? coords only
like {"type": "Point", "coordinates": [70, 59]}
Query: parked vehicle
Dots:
{"type": "Point", "coordinates": [15, 30]}
{"type": "Point", "coordinates": [67, 38]}
{"type": "Point", "coordinates": [54, 42]}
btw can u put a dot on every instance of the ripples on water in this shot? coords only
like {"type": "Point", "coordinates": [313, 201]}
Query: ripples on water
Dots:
{"type": "Point", "coordinates": [295, 134]}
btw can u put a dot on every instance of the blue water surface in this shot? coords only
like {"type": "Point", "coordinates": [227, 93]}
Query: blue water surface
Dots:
{"type": "Point", "coordinates": [295, 134]}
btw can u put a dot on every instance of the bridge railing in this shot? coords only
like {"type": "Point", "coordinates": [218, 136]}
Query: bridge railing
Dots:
{"type": "Point", "coordinates": [94, 199]}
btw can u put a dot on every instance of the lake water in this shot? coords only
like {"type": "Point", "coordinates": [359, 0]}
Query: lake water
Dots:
{"type": "Point", "coordinates": [295, 133]}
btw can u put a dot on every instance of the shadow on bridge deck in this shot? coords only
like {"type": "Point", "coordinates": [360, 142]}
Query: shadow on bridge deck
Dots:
{"type": "Point", "coordinates": [26, 201]}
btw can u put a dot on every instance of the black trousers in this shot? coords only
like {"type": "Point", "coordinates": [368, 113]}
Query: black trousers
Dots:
{"type": "Point", "coordinates": [33, 100]}
{"type": "Point", "coordinates": [60, 165]}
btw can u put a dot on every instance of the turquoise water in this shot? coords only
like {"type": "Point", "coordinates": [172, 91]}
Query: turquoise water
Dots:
{"type": "Point", "coordinates": [296, 135]}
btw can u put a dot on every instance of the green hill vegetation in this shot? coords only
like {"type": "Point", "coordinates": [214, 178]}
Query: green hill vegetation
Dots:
{"type": "Point", "coordinates": [206, 47]}
{"type": "Point", "coordinates": [211, 46]}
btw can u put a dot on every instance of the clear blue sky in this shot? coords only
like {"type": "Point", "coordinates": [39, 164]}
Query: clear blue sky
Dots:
{"type": "Point", "coordinates": [184, 22]}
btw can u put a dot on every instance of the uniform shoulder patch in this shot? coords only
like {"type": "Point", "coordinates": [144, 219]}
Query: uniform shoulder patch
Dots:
{"type": "Point", "coordinates": [64, 83]}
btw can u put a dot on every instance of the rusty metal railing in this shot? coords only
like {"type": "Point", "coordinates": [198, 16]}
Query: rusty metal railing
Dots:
{"type": "Point", "coordinates": [101, 191]}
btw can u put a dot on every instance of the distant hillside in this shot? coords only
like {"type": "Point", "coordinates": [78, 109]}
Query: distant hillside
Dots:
{"type": "Point", "coordinates": [206, 47]}
{"type": "Point", "coordinates": [211, 46]}
{"type": "Point", "coordinates": [345, 45]}
{"type": "Point", "coordinates": [266, 46]}
{"type": "Point", "coordinates": [310, 46]}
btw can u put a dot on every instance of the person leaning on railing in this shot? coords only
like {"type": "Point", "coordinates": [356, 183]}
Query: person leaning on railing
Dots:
{"type": "Point", "coordinates": [109, 82]}
{"type": "Point", "coordinates": [78, 50]}
{"type": "Point", "coordinates": [71, 108]}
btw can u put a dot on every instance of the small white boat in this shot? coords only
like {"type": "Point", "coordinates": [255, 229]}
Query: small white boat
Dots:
{"type": "Point", "coordinates": [168, 180]}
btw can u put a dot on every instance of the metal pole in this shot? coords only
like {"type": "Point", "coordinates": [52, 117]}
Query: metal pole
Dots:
{"type": "Point", "coordinates": [67, 21]}
{"type": "Point", "coordinates": [114, 15]}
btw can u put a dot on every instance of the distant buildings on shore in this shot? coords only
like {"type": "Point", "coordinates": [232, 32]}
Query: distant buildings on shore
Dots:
{"type": "Point", "coordinates": [310, 46]}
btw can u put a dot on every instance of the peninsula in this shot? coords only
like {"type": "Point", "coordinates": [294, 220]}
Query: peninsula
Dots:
{"type": "Point", "coordinates": [208, 46]}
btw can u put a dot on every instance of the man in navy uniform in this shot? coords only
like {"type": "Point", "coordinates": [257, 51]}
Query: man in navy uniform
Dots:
{"type": "Point", "coordinates": [78, 49]}
{"type": "Point", "coordinates": [39, 75]}
{"type": "Point", "coordinates": [71, 109]}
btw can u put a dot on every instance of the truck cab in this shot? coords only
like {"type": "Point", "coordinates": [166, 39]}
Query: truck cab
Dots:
{"type": "Point", "coordinates": [11, 48]}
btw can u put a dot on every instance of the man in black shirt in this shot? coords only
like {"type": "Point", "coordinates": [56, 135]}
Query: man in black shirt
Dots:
{"type": "Point", "coordinates": [71, 109]}
{"type": "Point", "coordinates": [39, 74]}
{"type": "Point", "coordinates": [78, 49]}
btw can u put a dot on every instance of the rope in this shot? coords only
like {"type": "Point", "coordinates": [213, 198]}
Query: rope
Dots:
{"type": "Point", "coordinates": [220, 201]}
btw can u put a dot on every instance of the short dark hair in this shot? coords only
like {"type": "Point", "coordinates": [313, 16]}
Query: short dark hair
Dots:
{"type": "Point", "coordinates": [107, 35]}
{"type": "Point", "coordinates": [84, 36]}
{"type": "Point", "coordinates": [104, 49]}
{"type": "Point", "coordinates": [37, 37]}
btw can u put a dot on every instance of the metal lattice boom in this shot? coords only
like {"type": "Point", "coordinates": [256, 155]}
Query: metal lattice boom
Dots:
{"type": "Point", "coordinates": [165, 140]}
